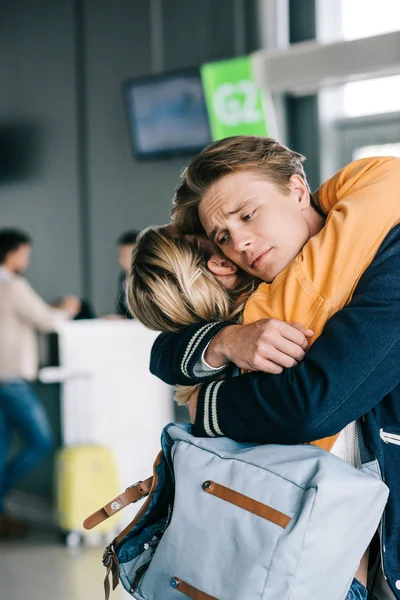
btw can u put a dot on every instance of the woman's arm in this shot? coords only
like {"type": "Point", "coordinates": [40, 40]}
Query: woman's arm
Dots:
{"type": "Point", "coordinates": [362, 202]}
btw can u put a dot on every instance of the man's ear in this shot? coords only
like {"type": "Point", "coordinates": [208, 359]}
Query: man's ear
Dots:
{"type": "Point", "coordinates": [221, 266]}
{"type": "Point", "coordinates": [300, 191]}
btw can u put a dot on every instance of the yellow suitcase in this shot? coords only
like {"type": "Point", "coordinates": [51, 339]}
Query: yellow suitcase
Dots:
{"type": "Point", "coordinates": [86, 478]}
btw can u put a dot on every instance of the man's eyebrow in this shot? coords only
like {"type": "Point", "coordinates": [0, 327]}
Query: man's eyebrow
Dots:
{"type": "Point", "coordinates": [213, 233]}
{"type": "Point", "coordinates": [240, 207]}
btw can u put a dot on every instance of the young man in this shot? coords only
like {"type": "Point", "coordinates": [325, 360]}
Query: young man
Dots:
{"type": "Point", "coordinates": [22, 314]}
{"type": "Point", "coordinates": [246, 193]}
{"type": "Point", "coordinates": [126, 243]}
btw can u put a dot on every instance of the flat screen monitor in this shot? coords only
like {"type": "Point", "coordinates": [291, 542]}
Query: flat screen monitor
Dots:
{"type": "Point", "coordinates": [167, 114]}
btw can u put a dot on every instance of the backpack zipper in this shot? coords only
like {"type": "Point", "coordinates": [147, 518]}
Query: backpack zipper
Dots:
{"type": "Point", "coordinates": [153, 544]}
{"type": "Point", "coordinates": [389, 438]}
{"type": "Point", "coordinates": [139, 574]}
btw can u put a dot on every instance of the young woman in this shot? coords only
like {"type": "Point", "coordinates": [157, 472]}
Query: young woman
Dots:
{"type": "Point", "coordinates": [177, 280]}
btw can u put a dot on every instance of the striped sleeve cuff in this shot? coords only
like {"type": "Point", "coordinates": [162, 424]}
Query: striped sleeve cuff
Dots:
{"type": "Point", "coordinates": [206, 423]}
{"type": "Point", "coordinates": [191, 361]}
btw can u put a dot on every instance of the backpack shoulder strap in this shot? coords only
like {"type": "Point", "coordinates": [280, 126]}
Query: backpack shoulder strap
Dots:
{"type": "Point", "coordinates": [132, 494]}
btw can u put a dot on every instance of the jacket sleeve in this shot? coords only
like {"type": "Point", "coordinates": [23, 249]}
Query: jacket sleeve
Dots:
{"type": "Point", "coordinates": [175, 356]}
{"type": "Point", "coordinates": [350, 368]}
{"type": "Point", "coordinates": [33, 310]}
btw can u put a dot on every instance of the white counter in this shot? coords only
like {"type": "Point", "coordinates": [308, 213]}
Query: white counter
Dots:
{"type": "Point", "coordinates": [108, 394]}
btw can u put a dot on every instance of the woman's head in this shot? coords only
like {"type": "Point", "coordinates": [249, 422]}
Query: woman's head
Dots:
{"type": "Point", "coordinates": [175, 281]}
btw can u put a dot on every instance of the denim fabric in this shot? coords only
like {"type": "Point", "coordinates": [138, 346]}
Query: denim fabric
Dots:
{"type": "Point", "coordinates": [21, 411]}
{"type": "Point", "coordinates": [357, 591]}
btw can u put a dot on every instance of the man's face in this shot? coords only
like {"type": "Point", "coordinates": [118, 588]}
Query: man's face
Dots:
{"type": "Point", "coordinates": [125, 256]}
{"type": "Point", "coordinates": [255, 224]}
{"type": "Point", "coordinates": [18, 260]}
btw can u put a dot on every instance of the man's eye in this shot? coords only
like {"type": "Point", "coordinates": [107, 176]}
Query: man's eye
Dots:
{"type": "Point", "coordinates": [248, 217]}
{"type": "Point", "coordinates": [223, 239]}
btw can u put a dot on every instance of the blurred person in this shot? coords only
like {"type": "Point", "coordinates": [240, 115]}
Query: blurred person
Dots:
{"type": "Point", "coordinates": [22, 314]}
{"type": "Point", "coordinates": [126, 244]}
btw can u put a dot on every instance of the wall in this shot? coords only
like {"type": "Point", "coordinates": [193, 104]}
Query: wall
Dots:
{"type": "Point", "coordinates": [61, 68]}
{"type": "Point", "coordinates": [71, 180]}
{"type": "Point", "coordinates": [38, 109]}
{"type": "Point", "coordinates": [122, 42]}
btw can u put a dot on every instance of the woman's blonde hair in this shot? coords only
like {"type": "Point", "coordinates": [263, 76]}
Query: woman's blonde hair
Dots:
{"type": "Point", "coordinates": [171, 287]}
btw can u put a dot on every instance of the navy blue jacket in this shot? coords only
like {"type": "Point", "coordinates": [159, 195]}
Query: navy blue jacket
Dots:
{"type": "Point", "coordinates": [351, 371]}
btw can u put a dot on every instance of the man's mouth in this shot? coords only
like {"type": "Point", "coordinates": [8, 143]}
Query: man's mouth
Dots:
{"type": "Point", "coordinates": [258, 258]}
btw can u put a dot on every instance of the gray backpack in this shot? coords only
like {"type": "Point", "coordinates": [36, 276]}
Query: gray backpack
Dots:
{"type": "Point", "coordinates": [231, 521]}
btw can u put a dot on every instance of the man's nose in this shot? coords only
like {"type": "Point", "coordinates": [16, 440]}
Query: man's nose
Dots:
{"type": "Point", "coordinates": [241, 241]}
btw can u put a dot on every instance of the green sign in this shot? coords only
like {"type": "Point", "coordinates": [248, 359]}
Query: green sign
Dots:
{"type": "Point", "coordinates": [234, 102]}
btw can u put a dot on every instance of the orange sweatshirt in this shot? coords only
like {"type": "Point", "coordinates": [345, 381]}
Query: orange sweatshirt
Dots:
{"type": "Point", "coordinates": [363, 204]}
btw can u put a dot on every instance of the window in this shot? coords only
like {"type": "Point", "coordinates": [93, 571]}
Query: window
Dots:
{"type": "Point", "coordinates": [372, 96]}
{"type": "Point", "coordinates": [377, 150]}
{"type": "Point", "coordinates": [365, 18]}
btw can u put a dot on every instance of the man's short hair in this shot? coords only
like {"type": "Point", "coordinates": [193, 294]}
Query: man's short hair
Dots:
{"type": "Point", "coordinates": [128, 238]}
{"type": "Point", "coordinates": [259, 155]}
{"type": "Point", "coordinates": [10, 240]}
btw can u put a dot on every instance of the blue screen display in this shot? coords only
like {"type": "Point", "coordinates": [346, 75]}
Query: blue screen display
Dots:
{"type": "Point", "coordinates": [167, 114]}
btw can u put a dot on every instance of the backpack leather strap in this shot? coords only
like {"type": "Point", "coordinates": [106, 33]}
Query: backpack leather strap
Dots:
{"type": "Point", "coordinates": [189, 590]}
{"type": "Point", "coordinates": [132, 494]}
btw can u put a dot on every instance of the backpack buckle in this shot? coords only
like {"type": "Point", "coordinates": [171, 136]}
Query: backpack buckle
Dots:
{"type": "Point", "coordinates": [135, 485]}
